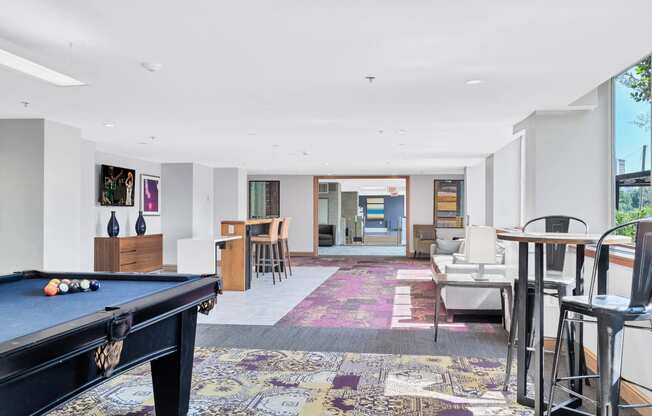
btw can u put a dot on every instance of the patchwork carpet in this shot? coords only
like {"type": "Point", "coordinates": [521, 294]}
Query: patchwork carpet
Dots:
{"type": "Point", "coordinates": [284, 383]}
{"type": "Point", "coordinates": [370, 292]}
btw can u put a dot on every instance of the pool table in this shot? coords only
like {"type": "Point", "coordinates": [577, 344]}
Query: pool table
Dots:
{"type": "Point", "coordinates": [54, 348]}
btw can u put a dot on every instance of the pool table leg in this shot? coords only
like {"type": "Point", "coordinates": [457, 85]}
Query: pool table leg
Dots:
{"type": "Point", "coordinates": [172, 374]}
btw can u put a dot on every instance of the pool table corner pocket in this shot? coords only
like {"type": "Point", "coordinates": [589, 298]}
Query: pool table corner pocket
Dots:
{"type": "Point", "coordinates": [107, 356]}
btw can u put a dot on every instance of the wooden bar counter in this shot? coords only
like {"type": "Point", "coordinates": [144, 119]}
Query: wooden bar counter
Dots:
{"type": "Point", "coordinates": [236, 256]}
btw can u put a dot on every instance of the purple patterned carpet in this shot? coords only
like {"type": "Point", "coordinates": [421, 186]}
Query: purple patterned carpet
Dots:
{"type": "Point", "coordinates": [246, 382]}
{"type": "Point", "coordinates": [368, 292]}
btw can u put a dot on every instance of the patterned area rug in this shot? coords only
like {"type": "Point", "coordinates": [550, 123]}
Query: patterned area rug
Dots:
{"type": "Point", "coordinates": [369, 292]}
{"type": "Point", "coordinates": [283, 383]}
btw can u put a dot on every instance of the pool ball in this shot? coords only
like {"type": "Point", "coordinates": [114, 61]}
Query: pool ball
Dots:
{"type": "Point", "coordinates": [84, 285]}
{"type": "Point", "coordinates": [55, 281]}
{"type": "Point", "coordinates": [95, 285]}
{"type": "Point", "coordinates": [63, 288]}
{"type": "Point", "coordinates": [74, 286]}
{"type": "Point", "coordinates": [51, 290]}
{"type": "Point", "coordinates": [66, 281]}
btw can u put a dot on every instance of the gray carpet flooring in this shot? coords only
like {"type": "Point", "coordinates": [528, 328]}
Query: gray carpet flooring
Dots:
{"type": "Point", "coordinates": [481, 340]}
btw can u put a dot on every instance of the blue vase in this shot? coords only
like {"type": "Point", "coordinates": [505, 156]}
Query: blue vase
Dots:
{"type": "Point", "coordinates": [113, 228]}
{"type": "Point", "coordinates": [141, 227]}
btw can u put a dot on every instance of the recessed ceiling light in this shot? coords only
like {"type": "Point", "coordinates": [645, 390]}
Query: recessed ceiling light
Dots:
{"type": "Point", "coordinates": [109, 124]}
{"type": "Point", "coordinates": [402, 144]}
{"type": "Point", "coordinates": [152, 66]}
{"type": "Point", "coordinates": [276, 146]}
{"type": "Point", "coordinates": [402, 131]}
{"type": "Point", "coordinates": [326, 164]}
{"type": "Point", "coordinates": [143, 143]}
{"type": "Point", "coordinates": [474, 81]}
{"type": "Point", "coordinates": [28, 67]}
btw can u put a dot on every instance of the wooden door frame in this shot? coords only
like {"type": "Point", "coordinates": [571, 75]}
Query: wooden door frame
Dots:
{"type": "Point", "coordinates": [315, 206]}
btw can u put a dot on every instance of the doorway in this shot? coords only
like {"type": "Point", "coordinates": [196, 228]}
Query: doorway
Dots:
{"type": "Point", "coordinates": [361, 215]}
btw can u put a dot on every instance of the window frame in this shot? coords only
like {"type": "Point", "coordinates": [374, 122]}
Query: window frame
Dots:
{"type": "Point", "coordinates": [614, 200]}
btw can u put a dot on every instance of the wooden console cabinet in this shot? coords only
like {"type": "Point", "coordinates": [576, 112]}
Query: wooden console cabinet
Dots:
{"type": "Point", "coordinates": [129, 254]}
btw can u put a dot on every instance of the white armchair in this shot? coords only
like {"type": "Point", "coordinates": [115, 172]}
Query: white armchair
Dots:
{"type": "Point", "coordinates": [481, 254]}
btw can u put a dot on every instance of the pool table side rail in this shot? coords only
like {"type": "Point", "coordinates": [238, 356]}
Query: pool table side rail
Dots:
{"type": "Point", "coordinates": [132, 276]}
{"type": "Point", "coordinates": [37, 350]}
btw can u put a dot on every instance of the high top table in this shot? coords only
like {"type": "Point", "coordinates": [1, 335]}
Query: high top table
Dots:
{"type": "Point", "coordinates": [525, 309]}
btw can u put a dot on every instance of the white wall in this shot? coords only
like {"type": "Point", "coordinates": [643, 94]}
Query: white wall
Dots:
{"type": "Point", "coordinates": [230, 194]}
{"type": "Point", "coordinates": [422, 204]}
{"type": "Point", "coordinates": [62, 197]}
{"type": "Point", "coordinates": [475, 183]}
{"type": "Point", "coordinates": [87, 205]}
{"type": "Point", "coordinates": [176, 206]}
{"type": "Point", "coordinates": [203, 222]}
{"type": "Point", "coordinates": [568, 162]}
{"type": "Point", "coordinates": [43, 223]}
{"type": "Point", "coordinates": [296, 202]}
{"type": "Point", "coordinates": [507, 185]}
{"type": "Point", "coordinates": [21, 184]}
{"type": "Point", "coordinates": [188, 203]}
{"type": "Point", "coordinates": [489, 189]}
{"type": "Point", "coordinates": [126, 216]}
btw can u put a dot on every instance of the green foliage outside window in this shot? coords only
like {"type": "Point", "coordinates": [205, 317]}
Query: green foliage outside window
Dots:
{"type": "Point", "coordinates": [623, 216]}
{"type": "Point", "coordinates": [634, 203]}
{"type": "Point", "coordinates": [638, 81]}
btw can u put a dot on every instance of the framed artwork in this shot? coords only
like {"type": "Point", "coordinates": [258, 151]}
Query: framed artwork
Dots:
{"type": "Point", "coordinates": [449, 203]}
{"type": "Point", "coordinates": [375, 208]}
{"type": "Point", "coordinates": [150, 195]}
{"type": "Point", "coordinates": [117, 186]}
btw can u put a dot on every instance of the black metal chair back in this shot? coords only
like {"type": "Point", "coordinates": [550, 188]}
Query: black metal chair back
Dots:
{"type": "Point", "coordinates": [641, 292]}
{"type": "Point", "coordinates": [556, 253]}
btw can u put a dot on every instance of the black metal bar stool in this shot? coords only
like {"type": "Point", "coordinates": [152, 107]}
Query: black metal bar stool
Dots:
{"type": "Point", "coordinates": [554, 282]}
{"type": "Point", "coordinates": [611, 314]}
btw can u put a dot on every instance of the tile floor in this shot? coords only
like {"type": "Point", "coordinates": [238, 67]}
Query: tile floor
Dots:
{"type": "Point", "coordinates": [266, 303]}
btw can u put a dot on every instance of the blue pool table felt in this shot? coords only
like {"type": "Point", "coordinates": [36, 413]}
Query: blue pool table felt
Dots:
{"type": "Point", "coordinates": [25, 309]}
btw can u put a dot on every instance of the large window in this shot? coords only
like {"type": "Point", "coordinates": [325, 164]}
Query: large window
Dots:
{"type": "Point", "coordinates": [264, 199]}
{"type": "Point", "coordinates": [632, 114]}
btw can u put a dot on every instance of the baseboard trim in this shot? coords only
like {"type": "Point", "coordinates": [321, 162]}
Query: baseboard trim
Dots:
{"type": "Point", "coordinates": [628, 392]}
{"type": "Point", "coordinates": [301, 253]}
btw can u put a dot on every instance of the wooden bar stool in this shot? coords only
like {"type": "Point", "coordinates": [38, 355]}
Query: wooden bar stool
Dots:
{"type": "Point", "coordinates": [285, 248]}
{"type": "Point", "coordinates": [266, 251]}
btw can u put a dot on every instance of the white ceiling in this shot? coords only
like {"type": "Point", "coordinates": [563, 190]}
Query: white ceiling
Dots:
{"type": "Point", "coordinates": [258, 83]}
